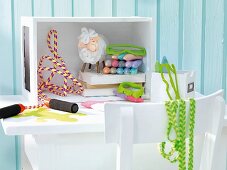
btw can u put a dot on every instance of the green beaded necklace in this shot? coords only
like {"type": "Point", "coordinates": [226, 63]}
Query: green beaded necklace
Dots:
{"type": "Point", "coordinates": [176, 112]}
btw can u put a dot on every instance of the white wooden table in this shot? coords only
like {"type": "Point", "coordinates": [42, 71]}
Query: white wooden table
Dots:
{"type": "Point", "coordinates": [55, 145]}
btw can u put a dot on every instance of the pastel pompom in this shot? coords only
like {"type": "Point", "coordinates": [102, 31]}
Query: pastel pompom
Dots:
{"type": "Point", "coordinates": [106, 70]}
{"type": "Point", "coordinates": [133, 71]}
{"type": "Point", "coordinates": [121, 64]}
{"type": "Point", "coordinates": [126, 71]}
{"type": "Point", "coordinates": [115, 63]}
{"type": "Point", "coordinates": [108, 63]}
{"type": "Point", "coordinates": [113, 70]}
{"type": "Point", "coordinates": [128, 64]}
{"type": "Point", "coordinates": [136, 63]}
{"type": "Point", "coordinates": [120, 70]}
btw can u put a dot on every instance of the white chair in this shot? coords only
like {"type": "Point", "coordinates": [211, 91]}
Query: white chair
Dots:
{"type": "Point", "coordinates": [129, 123]}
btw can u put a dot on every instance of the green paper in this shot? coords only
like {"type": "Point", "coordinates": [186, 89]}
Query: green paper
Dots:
{"type": "Point", "coordinates": [117, 49]}
{"type": "Point", "coordinates": [43, 114]}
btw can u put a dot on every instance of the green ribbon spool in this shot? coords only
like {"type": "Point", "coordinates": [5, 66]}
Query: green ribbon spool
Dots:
{"type": "Point", "coordinates": [116, 49]}
{"type": "Point", "coordinates": [131, 89]}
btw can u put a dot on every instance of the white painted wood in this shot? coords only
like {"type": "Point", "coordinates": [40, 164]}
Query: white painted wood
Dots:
{"type": "Point", "coordinates": [83, 151]}
{"type": "Point", "coordinates": [133, 29]}
{"type": "Point", "coordinates": [93, 122]}
{"type": "Point", "coordinates": [88, 150]}
{"type": "Point", "coordinates": [212, 155]}
{"type": "Point", "coordinates": [149, 127]}
{"type": "Point", "coordinates": [90, 123]}
{"type": "Point", "coordinates": [152, 116]}
{"type": "Point", "coordinates": [186, 81]}
{"type": "Point", "coordinates": [125, 148]}
{"type": "Point", "coordinates": [25, 164]}
{"type": "Point", "coordinates": [30, 96]}
{"type": "Point", "coordinates": [75, 150]}
{"type": "Point", "coordinates": [87, 19]}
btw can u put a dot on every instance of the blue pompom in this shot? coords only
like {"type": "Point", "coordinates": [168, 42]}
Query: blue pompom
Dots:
{"type": "Point", "coordinates": [120, 70]}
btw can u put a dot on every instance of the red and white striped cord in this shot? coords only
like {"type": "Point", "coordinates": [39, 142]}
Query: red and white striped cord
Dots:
{"type": "Point", "coordinates": [59, 67]}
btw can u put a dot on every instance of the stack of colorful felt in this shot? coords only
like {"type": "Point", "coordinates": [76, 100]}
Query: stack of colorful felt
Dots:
{"type": "Point", "coordinates": [126, 59]}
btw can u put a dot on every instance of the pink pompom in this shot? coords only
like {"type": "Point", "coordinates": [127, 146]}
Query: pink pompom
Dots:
{"type": "Point", "coordinates": [115, 63]}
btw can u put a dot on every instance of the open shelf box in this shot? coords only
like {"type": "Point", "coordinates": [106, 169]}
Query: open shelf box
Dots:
{"type": "Point", "coordinates": [131, 30]}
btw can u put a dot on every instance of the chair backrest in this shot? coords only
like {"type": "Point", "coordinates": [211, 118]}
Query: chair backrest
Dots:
{"type": "Point", "coordinates": [131, 123]}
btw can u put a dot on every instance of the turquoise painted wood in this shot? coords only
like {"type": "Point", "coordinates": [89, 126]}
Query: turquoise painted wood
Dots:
{"type": "Point", "coordinates": [224, 71]}
{"type": "Point", "coordinates": [125, 8]}
{"type": "Point", "coordinates": [7, 152]}
{"type": "Point", "coordinates": [62, 8]}
{"type": "Point", "coordinates": [169, 27]}
{"type": "Point", "coordinates": [21, 8]}
{"type": "Point", "coordinates": [192, 34]}
{"type": "Point", "coordinates": [213, 61]}
{"type": "Point", "coordinates": [6, 48]}
{"type": "Point", "coordinates": [149, 9]}
{"type": "Point", "coordinates": [46, 9]}
{"type": "Point", "coordinates": [82, 8]}
{"type": "Point", "coordinates": [99, 11]}
{"type": "Point", "coordinates": [192, 38]}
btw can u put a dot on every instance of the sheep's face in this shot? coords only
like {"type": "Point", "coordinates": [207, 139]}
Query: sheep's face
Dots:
{"type": "Point", "coordinates": [92, 45]}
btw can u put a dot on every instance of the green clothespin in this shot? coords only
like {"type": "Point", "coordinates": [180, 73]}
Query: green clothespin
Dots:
{"type": "Point", "coordinates": [158, 67]}
{"type": "Point", "coordinates": [164, 61]}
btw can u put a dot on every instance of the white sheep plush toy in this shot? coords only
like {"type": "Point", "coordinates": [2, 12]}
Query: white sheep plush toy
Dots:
{"type": "Point", "coordinates": [91, 47]}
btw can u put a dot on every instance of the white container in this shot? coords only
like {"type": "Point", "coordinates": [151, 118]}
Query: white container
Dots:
{"type": "Point", "coordinates": [131, 30]}
{"type": "Point", "coordinates": [186, 85]}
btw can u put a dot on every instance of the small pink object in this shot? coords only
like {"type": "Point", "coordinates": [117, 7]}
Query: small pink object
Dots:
{"type": "Point", "coordinates": [88, 104]}
{"type": "Point", "coordinates": [130, 57]}
{"type": "Point", "coordinates": [115, 63]}
{"type": "Point", "coordinates": [133, 99]}
{"type": "Point", "coordinates": [106, 70]}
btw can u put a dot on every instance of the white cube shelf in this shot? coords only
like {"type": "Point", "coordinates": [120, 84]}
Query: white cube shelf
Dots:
{"type": "Point", "coordinates": [131, 30]}
{"type": "Point", "coordinates": [186, 86]}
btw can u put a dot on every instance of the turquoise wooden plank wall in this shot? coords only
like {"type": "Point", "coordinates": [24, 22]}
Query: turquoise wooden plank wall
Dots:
{"type": "Point", "coordinates": [192, 34]}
